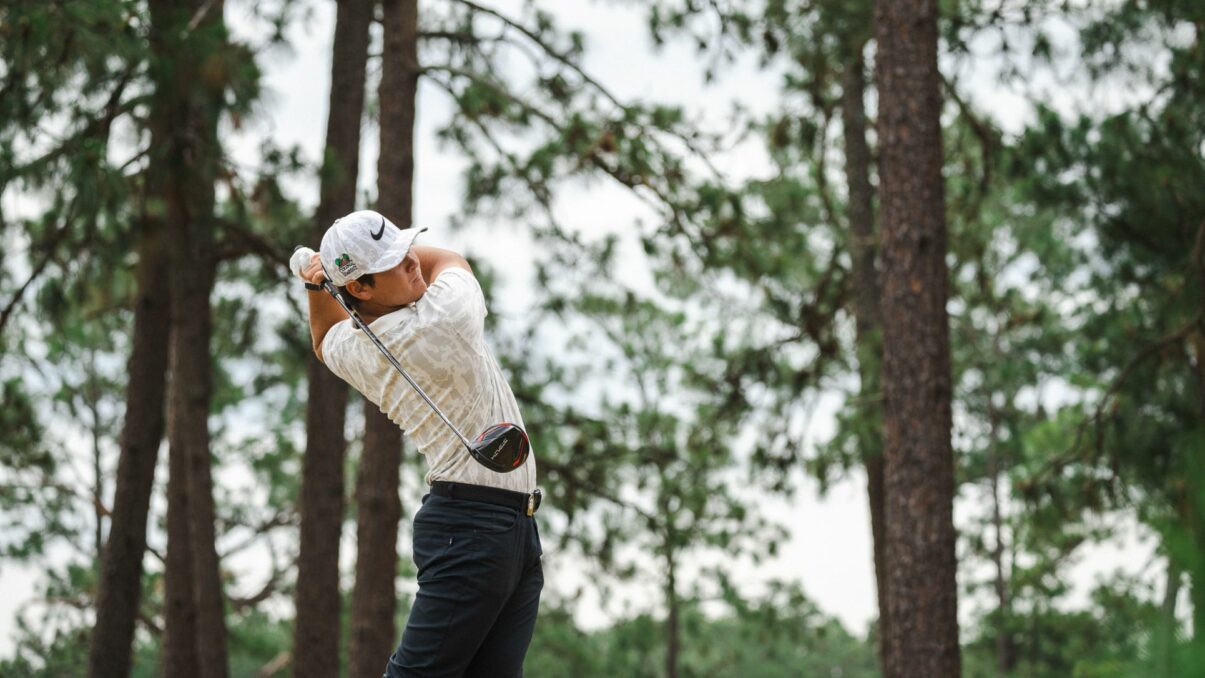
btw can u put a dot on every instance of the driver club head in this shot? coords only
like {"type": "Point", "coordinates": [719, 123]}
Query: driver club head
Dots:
{"type": "Point", "coordinates": [501, 448]}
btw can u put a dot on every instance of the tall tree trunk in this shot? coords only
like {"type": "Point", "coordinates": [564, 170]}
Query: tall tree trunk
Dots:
{"type": "Point", "coordinates": [1006, 646]}
{"type": "Point", "coordinates": [316, 632]}
{"type": "Point", "coordinates": [1196, 587]}
{"type": "Point", "coordinates": [191, 37]}
{"type": "Point", "coordinates": [1193, 513]}
{"type": "Point", "coordinates": [867, 310]}
{"type": "Point", "coordinates": [179, 608]}
{"type": "Point", "coordinates": [121, 565]}
{"type": "Point", "coordinates": [922, 599]}
{"type": "Point", "coordinates": [379, 510]}
{"type": "Point", "coordinates": [1165, 640]}
{"type": "Point", "coordinates": [188, 431]}
{"type": "Point", "coordinates": [1195, 500]}
{"type": "Point", "coordinates": [92, 395]}
{"type": "Point", "coordinates": [398, 91]}
{"type": "Point", "coordinates": [672, 623]}
{"type": "Point", "coordinates": [120, 584]}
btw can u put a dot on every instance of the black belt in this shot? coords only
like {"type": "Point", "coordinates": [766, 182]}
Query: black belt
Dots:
{"type": "Point", "coordinates": [527, 503]}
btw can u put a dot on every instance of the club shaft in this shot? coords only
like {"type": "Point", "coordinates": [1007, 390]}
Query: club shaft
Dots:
{"type": "Point", "coordinates": [355, 318]}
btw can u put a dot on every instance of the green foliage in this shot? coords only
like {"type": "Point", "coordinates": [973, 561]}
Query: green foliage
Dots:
{"type": "Point", "coordinates": [780, 634]}
{"type": "Point", "coordinates": [1076, 278]}
{"type": "Point", "coordinates": [1110, 638]}
{"type": "Point", "coordinates": [55, 641]}
{"type": "Point", "coordinates": [1134, 176]}
{"type": "Point", "coordinates": [649, 465]}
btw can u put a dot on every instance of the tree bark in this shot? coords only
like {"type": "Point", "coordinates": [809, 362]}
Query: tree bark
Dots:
{"type": "Point", "coordinates": [672, 623]}
{"type": "Point", "coordinates": [1194, 502]}
{"type": "Point", "coordinates": [179, 608]}
{"type": "Point", "coordinates": [188, 431]}
{"type": "Point", "coordinates": [120, 585]}
{"type": "Point", "coordinates": [922, 638]}
{"type": "Point", "coordinates": [191, 36]}
{"type": "Point", "coordinates": [379, 510]}
{"type": "Point", "coordinates": [1006, 647]}
{"type": "Point", "coordinates": [98, 478]}
{"type": "Point", "coordinates": [1165, 638]}
{"type": "Point", "coordinates": [867, 309]}
{"type": "Point", "coordinates": [1196, 590]}
{"type": "Point", "coordinates": [398, 92]}
{"type": "Point", "coordinates": [317, 629]}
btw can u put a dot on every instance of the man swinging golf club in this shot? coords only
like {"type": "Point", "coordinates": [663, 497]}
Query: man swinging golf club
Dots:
{"type": "Point", "coordinates": [404, 325]}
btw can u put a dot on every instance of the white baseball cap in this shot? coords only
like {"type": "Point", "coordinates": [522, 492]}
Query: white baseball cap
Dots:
{"type": "Point", "coordinates": [363, 242]}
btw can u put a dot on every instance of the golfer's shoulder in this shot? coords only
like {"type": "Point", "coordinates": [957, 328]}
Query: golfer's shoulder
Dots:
{"type": "Point", "coordinates": [452, 290]}
{"type": "Point", "coordinates": [454, 279]}
{"type": "Point", "coordinates": [454, 300]}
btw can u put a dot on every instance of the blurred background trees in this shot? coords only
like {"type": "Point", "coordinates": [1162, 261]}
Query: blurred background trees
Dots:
{"type": "Point", "coordinates": [143, 264]}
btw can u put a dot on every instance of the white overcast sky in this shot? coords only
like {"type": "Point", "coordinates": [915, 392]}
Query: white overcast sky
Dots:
{"type": "Point", "coordinates": [829, 550]}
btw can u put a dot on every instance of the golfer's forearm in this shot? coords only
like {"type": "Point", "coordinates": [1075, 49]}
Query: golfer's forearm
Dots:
{"type": "Point", "coordinates": [324, 313]}
{"type": "Point", "coordinates": [433, 260]}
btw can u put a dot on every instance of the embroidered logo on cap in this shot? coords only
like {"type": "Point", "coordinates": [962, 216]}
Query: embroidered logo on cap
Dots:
{"type": "Point", "coordinates": [345, 264]}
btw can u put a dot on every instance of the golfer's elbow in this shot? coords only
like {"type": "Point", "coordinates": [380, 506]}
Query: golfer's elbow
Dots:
{"type": "Point", "coordinates": [317, 346]}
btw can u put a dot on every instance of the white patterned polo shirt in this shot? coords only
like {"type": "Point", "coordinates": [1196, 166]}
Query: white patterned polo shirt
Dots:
{"type": "Point", "coordinates": [440, 341]}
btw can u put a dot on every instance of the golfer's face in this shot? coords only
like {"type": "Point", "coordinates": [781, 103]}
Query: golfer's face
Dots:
{"type": "Point", "coordinates": [403, 284]}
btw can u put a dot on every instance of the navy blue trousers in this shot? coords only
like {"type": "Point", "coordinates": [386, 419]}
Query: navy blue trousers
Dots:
{"type": "Point", "coordinates": [479, 583]}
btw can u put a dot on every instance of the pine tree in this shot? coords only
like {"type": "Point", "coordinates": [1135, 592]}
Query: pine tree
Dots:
{"type": "Point", "coordinates": [922, 596]}
{"type": "Point", "coordinates": [318, 600]}
{"type": "Point", "coordinates": [378, 508]}
{"type": "Point", "coordinates": [190, 82]}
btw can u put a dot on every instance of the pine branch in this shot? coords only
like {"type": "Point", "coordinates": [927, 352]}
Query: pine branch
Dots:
{"type": "Point", "coordinates": [150, 624]}
{"type": "Point", "coordinates": [267, 591]}
{"type": "Point", "coordinates": [822, 186]}
{"type": "Point", "coordinates": [565, 473]}
{"type": "Point", "coordinates": [673, 211]}
{"type": "Point", "coordinates": [1098, 418]}
{"type": "Point", "coordinates": [989, 142]}
{"type": "Point", "coordinates": [98, 127]}
{"type": "Point", "coordinates": [548, 49]}
{"type": "Point", "coordinates": [278, 664]}
{"type": "Point", "coordinates": [49, 255]}
{"type": "Point", "coordinates": [158, 555]}
{"type": "Point", "coordinates": [463, 38]}
{"type": "Point", "coordinates": [564, 59]}
{"type": "Point", "coordinates": [257, 531]}
{"type": "Point", "coordinates": [198, 17]}
{"type": "Point", "coordinates": [239, 241]}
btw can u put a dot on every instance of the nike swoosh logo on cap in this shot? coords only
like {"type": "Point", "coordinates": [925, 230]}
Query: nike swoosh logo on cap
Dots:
{"type": "Point", "coordinates": [380, 232]}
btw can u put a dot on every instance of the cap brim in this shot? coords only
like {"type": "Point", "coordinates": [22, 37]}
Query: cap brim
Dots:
{"type": "Point", "coordinates": [398, 250]}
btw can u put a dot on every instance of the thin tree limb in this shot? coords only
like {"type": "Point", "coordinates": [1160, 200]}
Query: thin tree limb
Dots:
{"type": "Point", "coordinates": [50, 255]}
{"type": "Point", "coordinates": [563, 58]}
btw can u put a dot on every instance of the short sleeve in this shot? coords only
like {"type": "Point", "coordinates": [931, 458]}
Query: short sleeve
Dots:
{"type": "Point", "coordinates": [334, 348]}
{"type": "Point", "coordinates": [455, 300]}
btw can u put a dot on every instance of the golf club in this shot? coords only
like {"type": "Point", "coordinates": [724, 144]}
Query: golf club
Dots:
{"type": "Point", "coordinates": [501, 448]}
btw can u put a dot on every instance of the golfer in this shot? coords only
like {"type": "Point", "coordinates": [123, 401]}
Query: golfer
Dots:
{"type": "Point", "coordinates": [475, 540]}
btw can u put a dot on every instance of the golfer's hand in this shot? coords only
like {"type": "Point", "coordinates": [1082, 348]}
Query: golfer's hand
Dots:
{"type": "Point", "coordinates": [305, 264]}
{"type": "Point", "coordinates": [324, 310]}
{"type": "Point", "coordinates": [312, 272]}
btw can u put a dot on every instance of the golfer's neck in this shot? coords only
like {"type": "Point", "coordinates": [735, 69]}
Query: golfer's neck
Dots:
{"type": "Point", "coordinates": [370, 311]}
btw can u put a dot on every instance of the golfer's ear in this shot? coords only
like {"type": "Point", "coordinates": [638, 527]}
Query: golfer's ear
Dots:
{"type": "Point", "coordinates": [359, 290]}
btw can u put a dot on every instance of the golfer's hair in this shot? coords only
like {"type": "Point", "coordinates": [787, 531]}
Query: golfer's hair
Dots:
{"type": "Point", "coordinates": [352, 301]}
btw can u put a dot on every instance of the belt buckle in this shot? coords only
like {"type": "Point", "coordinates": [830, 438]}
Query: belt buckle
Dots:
{"type": "Point", "coordinates": [531, 505]}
